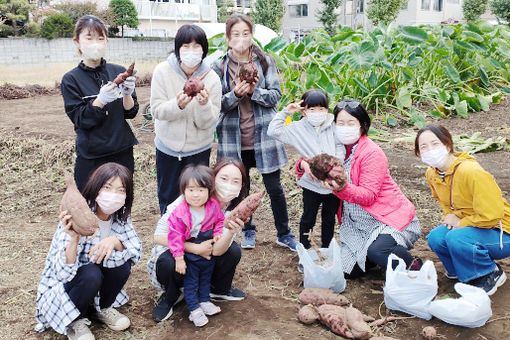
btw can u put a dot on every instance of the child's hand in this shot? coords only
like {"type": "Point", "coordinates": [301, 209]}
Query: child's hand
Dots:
{"type": "Point", "coordinates": [180, 265]}
{"type": "Point", "coordinates": [216, 238]}
{"type": "Point", "coordinates": [294, 107]}
{"type": "Point", "coordinates": [306, 167]}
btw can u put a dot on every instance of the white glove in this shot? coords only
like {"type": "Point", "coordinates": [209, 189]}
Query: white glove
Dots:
{"type": "Point", "coordinates": [108, 93]}
{"type": "Point", "coordinates": [128, 86]}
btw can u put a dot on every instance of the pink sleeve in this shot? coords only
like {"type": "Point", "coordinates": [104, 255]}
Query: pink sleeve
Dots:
{"type": "Point", "coordinates": [373, 169]}
{"type": "Point", "coordinates": [176, 236]}
{"type": "Point", "coordinates": [299, 172]}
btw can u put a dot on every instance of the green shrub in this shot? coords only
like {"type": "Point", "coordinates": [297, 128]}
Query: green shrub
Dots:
{"type": "Point", "coordinates": [501, 9]}
{"type": "Point", "coordinates": [473, 9]}
{"type": "Point", "coordinates": [57, 26]}
{"type": "Point", "coordinates": [6, 31]}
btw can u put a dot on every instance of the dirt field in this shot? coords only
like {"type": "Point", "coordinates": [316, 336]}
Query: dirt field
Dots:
{"type": "Point", "coordinates": [36, 146]}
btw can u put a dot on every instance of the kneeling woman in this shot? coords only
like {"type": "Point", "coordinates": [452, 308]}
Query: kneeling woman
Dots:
{"type": "Point", "coordinates": [80, 271]}
{"type": "Point", "coordinates": [475, 227]}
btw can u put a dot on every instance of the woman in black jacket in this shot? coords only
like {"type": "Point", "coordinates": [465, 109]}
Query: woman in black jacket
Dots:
{"type": "Point", "coordinates": [97, 107]}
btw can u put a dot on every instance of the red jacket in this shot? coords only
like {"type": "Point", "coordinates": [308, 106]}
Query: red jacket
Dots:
{"type": "Point", "coordinates": [373, 188]}
{"type": "Point", "coordinates": [179, 223]}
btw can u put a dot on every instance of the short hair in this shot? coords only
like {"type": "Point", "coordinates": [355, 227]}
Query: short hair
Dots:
{"type": "Point", "coordinates": [355, 109]}
{"type": "Point", "coordinates": [201, 174]}
{"type": "Point", "coordinates": [91, 22]}
{"type": "Point", "coordinates": [244, 178]}
{"type": "Point", "coordinates": [315, 97]}
{"type": "Point", "coordinates": [188, 33]}
{"type": "Point", "coordinates": [99, 178]}
{"type": "Point", "coordinates": [441, 133]}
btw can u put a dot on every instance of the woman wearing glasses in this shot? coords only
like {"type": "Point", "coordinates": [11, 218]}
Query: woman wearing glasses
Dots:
{"type": "Point", "coordinates": [376, 218]}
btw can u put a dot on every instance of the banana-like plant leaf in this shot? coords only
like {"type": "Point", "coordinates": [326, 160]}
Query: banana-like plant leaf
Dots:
{"type": "Point", "coordinates": [483, 76]}
{"type": "Point", "coordinates": [451, 72]}
{"type": "Point", "coordinates": [413, 34]}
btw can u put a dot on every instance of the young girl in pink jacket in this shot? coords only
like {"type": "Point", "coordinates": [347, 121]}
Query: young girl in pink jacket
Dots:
{"type": "Point", "coordinates": [376, 218]}
{"type": "Point", "coordinates": [198, 218]}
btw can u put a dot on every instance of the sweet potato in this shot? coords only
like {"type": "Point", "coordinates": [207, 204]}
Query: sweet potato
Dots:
{"type": "Point", "coordinates": [319, 296]}
{"type": "Point", "coordinates": [193, 86]}
{"type": "Point", "coordinates": [123, 76]}
{"type": "Point", "coordinates": [83, 220]}
{"type": "Point", "coordinates": [327, 168]}
{"type": "Point", "coordinates": [356, 323]}
{"type": "Point", "coordinates": [248, 72]}
{"type": "Point", "coordinates": [382, 337]}
{"type": "Point", "coordinates": [246, 208]}
{"type": "Point", "coordinates": [308, 315]}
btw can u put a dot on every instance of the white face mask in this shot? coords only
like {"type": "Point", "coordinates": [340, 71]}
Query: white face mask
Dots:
{"type": "Point", "coordinates": [347, 135]}
{"type": "Point", "coordinates": [190, 58]}
{"type": "Point", "coordinates": [317, 118]}
{"type": "Point", "coordinates": [226, 192]}
{"type": "Point", "coordinates": [435, 158]}
{"type": "Point", "coordinates": [240, 44]}
{"type": "Point", "coordinates": [110, 202]}
{"type": "Point", "coordinates": [93, 51]}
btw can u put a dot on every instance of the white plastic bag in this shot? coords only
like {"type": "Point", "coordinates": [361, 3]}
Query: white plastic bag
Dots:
{"type": "Point", "coordinates": [325, 275]}
{"type": "Point", "coordinates": [472, 309]}
{"type": "Point", "coordinates": [410, 291]}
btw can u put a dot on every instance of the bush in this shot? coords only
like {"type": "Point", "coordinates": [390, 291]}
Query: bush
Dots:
{"type": "Point", "coordinates": [57, 26]}
{"type": "Point", "coordinates": [501, 9]}
{"type": "Point", "coordinates": [6, 31]}
{"type": "Point", "coordinates": [472, 9]}
{"type": "Point", "coordinates": [31, 30]}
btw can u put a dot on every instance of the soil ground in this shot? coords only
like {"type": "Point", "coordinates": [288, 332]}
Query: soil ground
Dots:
{"type": "Point", "coordinates": [36, 147]}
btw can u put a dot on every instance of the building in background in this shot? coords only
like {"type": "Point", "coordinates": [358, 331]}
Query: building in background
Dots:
{"type": "Point", "coordinates": [301, 15]}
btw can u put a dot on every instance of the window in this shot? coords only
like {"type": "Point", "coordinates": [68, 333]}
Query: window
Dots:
{"type": "Point", "coordinates": [438, 5]}
{"type": "Point", "coordinates": [425, 5]}
{"type": "Point", "coordinates": [359, 6]}
{"type": "Point", "coordinates": [297, 11]}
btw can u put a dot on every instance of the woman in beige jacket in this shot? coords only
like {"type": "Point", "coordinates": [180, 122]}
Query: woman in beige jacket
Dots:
{"type": "Point", "coordinates": [184, 124]}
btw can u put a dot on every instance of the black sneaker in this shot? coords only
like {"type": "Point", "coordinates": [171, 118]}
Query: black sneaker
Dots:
{"type": "Point", "coordinates": [163, 309]}
{"type": "Point", "coordinates": [234, 294]}
{"type": "Point", "coordinates": [490, 282]}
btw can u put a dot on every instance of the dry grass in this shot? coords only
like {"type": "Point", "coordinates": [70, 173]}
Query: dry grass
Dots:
{"type": "Point", "coordinates": [49, 74]}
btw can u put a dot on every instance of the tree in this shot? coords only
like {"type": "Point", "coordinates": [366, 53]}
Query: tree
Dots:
{"type": "Point", "coordinates": [15, 10]}
{"type": "Point", "coordinates": [76, 10]}
{"type": "Point", "coordinates": [57, 26]}
{"type": "Point", "coordinates": [125, 13]}
{"type": "Point", "coordinates": [384, 11]}
{"type": "Point", "coordinates": [225, 9]}
{"type": "Point", "coordinates": [268, 13]}
{"type": "Point", "coordinates": [501, 9]}
{"type": "Point", "coordinates": [327, 15]}
{"type": "Point", "coordinates": [472, 9]}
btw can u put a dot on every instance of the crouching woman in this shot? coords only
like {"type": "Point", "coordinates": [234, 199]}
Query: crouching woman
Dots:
{"type": "Point", "coordinates": [83, 276]}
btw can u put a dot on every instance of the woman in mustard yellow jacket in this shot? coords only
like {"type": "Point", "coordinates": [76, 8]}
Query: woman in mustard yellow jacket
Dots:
{"type": "Point", "coordinates": [475, 228]}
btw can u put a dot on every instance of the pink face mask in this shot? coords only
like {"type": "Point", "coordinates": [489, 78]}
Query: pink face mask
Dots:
{"type": "Point", "coordinates": [110, 202]}
{"type": "Point", "coordinates": [240, 44]}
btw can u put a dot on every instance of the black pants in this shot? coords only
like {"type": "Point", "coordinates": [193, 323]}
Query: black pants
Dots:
{"type": "Point", "coordinates": [378, 253]}
{"type": "Point", "coordinates": [221, 280]}
{"type": "Point", "coordinates": [83, 167]}
{"type": "Point", "coordinates": [168, 169]}
{"type": "Point", "coordinates": [93, 278]}
{"type": "Point", "coordinates": [311, 204]}
{"type": "Point", "coordinates": [275, 192]}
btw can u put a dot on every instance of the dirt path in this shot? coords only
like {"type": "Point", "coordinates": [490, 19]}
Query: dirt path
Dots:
{"type": "Point", "coordinates": [36, 130]}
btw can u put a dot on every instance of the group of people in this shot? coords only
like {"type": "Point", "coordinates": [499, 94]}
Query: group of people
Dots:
{"type": "Point", "coordinates": [195, 255]}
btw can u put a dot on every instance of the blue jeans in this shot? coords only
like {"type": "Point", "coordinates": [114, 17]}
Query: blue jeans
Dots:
{"type": "Point", "coordinates": [197, 282]}
{"type": "Point", "coordinates": [468, 252]}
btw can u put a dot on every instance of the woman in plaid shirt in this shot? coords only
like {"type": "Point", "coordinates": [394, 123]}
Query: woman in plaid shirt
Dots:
{"type": "Point", "coordinates": [83, 276]}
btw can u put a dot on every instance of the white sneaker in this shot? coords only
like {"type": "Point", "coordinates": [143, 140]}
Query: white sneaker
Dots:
{"type": "Point", "coordinates": [78, 330]}
{"type": "Point", "coordinates": [113, 319]}
{"type": "Point", "coordinates": [209, 308]}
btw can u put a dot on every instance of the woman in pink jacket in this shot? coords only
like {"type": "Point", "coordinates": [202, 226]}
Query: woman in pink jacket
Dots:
{"type": "Point", "coordinates": [376, 218]}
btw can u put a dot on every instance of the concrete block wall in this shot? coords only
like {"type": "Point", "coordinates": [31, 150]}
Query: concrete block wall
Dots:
{"type": "Point", "coordinates": [38, 51]}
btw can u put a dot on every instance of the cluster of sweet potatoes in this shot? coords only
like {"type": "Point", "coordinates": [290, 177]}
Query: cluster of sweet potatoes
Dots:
{"type": "Point", "coordinates": [335, 312]}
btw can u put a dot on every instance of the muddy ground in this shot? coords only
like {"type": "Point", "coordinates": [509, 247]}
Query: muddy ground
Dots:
{"type": "Point", "coordinates": [36, 147]}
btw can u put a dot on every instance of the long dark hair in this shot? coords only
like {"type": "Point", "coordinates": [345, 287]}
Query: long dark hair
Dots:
{"type": "Point", "coordinates": [244, 178]}
{"type": "Point", "coordinates": [236, 18]}
{"type": "Point", "coordinates": [98, 179]}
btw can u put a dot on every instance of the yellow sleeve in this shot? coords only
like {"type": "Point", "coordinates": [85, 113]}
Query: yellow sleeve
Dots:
{"type": "Point", "coordinates": [443, 204]}
{"type": "Point", "coordinates": [488, 205]}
